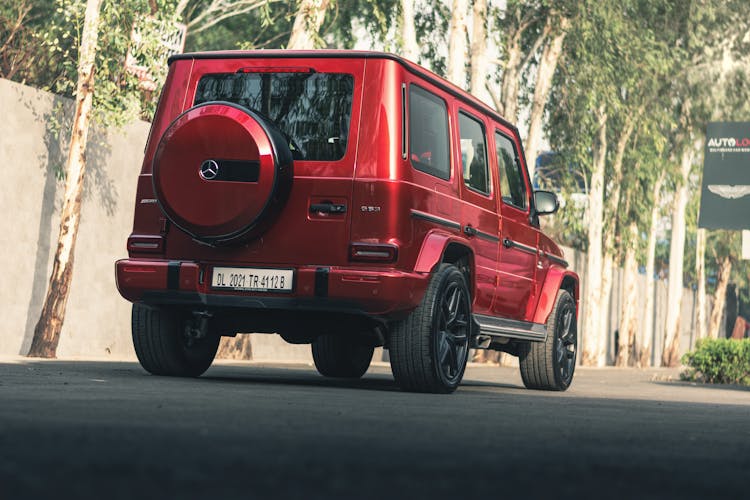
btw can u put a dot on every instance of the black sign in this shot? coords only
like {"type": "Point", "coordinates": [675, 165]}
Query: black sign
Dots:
{"type": "Point", "coordinates": [725, 194]}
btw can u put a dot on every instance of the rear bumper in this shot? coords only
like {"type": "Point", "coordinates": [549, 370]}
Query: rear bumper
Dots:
{"type": "Point", "coordinates": [371, 292]}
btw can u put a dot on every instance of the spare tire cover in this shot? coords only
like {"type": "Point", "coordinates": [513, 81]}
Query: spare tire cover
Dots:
{"type": "Point", "coordinates": [222, 172]}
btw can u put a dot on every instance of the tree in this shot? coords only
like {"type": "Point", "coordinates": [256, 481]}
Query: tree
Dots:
{"type": "Point", "coordinates": [521, 29]}
{"type": "Point", "coordinates": [644, 350]}
{"type": "Point", "coordinates": [478, 64]}
{"type": "Point", "coordinates": [49, 326]}
{"type": "Point", "coordinates": [200, 15]}
{"type": "Point", "coordinates": [670, 353]}
{"type": "Point", "coordinates": [594, 338]}
{"type": "Point", "coordinates": [720, 296]}
{"type": "Point", "coordinates": [100, 49]}
{"type": "Point", "coordinates": [307, 23]}
{"type": "Point", "coordinates": [409, 45]}
{"type": "Point", "coordinates": [579, 130]}
{"type": "Point", "coordinates": [628, 323]}
{"type": "Point", "coordinates": [556, 29]}
{"type": "Point", "coordinates": [700, 274]}
{"type": "Point", "coordinates": [456, 72]}
{"type": "Point", "coordinates": [713, 68]}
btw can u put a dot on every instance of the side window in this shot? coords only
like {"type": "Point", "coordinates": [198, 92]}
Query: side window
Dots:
{"type": "Point", "coordinates": [428, 133]}
{"type": "Point", "coordinates": [473, 153]}
{"type": "Point", "coordinates": [512, 186]}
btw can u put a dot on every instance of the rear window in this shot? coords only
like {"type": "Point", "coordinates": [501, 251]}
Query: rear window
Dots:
{"type": "Point", "coordinates": [312, 110]}
{"type": "Point", "coordinates": [428, 133]}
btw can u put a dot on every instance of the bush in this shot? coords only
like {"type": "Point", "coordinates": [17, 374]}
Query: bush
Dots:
{"type": "Point", "coordinates": [719, 361]}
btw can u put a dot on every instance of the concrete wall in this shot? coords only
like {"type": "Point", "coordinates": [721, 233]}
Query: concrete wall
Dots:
{"type": "Point", "coordinates": [98, 320]}
{"type": "Point", "coordinates": [97, 323]}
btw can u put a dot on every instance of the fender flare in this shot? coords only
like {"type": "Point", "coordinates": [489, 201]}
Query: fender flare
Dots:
{"type": "Point", "coordinates": [557, 278]}
{"type": "Point", "coordinates": [433, 249]}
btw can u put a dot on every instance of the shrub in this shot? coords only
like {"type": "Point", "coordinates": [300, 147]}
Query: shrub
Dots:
{"type": "Point", "coordinates": [719, 361]}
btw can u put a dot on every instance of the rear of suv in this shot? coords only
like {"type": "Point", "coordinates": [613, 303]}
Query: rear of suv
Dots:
{"type": "Point", "coordinates": [347, 200]}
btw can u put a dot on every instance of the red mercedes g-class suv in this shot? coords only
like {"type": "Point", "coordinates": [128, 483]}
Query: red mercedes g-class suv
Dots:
{"type": "Point", "coordinates": [346, 200]}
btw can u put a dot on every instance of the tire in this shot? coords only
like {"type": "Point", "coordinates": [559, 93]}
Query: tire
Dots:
{"type": "Point", "coordinates": [162, 348]}
{"type": "Point", "coordinates": [430, 348]}
{"type": "Point", "coordinates": [341, 356]}
{"type": "Point", "coordinates": [550, 365]}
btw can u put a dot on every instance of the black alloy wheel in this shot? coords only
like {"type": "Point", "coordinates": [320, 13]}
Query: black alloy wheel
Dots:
{"type": "Point", "coordinates": [452, 339]}
{"type": "Point", "coordinates": [566, 342]}
{"type": "Point", "coordinates": [429, 349]}
{"type": "Point", "coordinates": [550, 365]}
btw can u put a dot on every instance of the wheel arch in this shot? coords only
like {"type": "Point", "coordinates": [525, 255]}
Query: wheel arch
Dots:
{"type": "Point", "coordinates": [440, 247]}
{"type": "Point", "coordinates": [557, 279]}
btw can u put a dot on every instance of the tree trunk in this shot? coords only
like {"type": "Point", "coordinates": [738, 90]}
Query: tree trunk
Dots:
{"type": "Point", "coordinates": [511, 77]}
{"type": "Point", "coordinates": [49, 326]}
{"type": "Point", "coordinates": [700, 274]}
{"type": "Point", "coordinates": [648, 328]}
{"type": "Point", "coordinates": [478, 63]}
{"type": "Point", "coordinates": [628, 323]}
{"type": "Point", "coordinates": [611, 210]}
{"type": "Point", "coordinates": [456, 71]}
{"type": "Point", "coordinates": [671, 353]}
{"type": "Point", "coordinates": [544, 74]}
{"type": "Point", "coordinates": [409, 45]}
{"type": "Point", "coordinates": [594, 341]}
{"type": "Point", "coordinates": [237, 347]}
{"type": "Point", "coordinates": [307, 23]}
{"type": "Point", "coordinates": [720, 297]}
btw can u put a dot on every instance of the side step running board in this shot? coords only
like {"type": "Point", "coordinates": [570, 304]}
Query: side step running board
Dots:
{"type": "Point", "coordinates": [500, 327]}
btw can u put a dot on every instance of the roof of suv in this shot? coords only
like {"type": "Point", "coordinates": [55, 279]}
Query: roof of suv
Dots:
{"type": "Point", "coordinates": [349, 54]}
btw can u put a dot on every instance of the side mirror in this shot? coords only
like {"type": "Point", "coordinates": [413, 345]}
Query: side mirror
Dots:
{"type": "Point", "coordinates": [545, 202]}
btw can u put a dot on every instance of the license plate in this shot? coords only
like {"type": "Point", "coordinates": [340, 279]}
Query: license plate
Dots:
{"type": "Point", "coordinates": [252, 279]}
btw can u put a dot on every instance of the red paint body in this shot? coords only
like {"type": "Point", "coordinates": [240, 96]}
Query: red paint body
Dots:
{"type": "Point", "coordinates": [386, 202]}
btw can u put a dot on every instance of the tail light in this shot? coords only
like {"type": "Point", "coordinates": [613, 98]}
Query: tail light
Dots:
{"type": "Point", "coordinates": [369, 252]}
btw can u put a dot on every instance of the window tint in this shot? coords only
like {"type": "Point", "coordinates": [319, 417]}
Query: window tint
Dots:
{"type": "Point", "coordinates": [311, 109]}
{"type": "Point", "coordinates": [428, 133]}
{"type": "Point", "coordinates": [512, 185]}
{"type": "Point", "coordinates": [473, 153]}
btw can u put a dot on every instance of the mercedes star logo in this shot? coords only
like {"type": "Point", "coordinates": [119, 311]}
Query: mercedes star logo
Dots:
{"type": "Point", "coordinates": [209, 170]}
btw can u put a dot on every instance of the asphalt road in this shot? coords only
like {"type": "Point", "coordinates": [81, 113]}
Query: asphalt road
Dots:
{"type": "Point", "coordinates": [109, 431]}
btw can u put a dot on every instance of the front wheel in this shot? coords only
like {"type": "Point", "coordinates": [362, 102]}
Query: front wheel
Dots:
{"type": "Point", "coordinates": [162, 346]}
{"type": "Point", "coordinates": [549, 365]}
{"type": "Point", "coordinates": [429, 349]}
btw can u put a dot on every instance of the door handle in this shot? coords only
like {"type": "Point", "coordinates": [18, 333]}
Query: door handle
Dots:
{"type": "Point", "coordinates": [470, 231]}
{"type": "Point", "coordinates": [327, 208]}
{"type": "Point", "coordinates": [507, 242]}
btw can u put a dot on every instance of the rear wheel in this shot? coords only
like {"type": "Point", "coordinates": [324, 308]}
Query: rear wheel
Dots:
{"type": "Point", "coordinates": [162, 346]}
{"type": "Point", "coordinates": [429, 349]}
{"type": "Point", "coordinates": [341, 356]}
{"type": "Point", "coordinates": [549, 365]}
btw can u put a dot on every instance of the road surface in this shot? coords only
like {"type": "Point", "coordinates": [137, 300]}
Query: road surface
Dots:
{"type": "Point", "coordinates": [108, 430]}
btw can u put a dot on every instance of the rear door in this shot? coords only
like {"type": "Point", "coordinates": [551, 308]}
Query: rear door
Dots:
{"type": "Point", "coordinates": [517, 260]}
{"type": "Point", "coordinates": [478, 215]}
{"type": "Point", "coordinates": [315, 103]}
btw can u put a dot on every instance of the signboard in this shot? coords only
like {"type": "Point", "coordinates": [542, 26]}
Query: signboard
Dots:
{"type": "Point", "coordinates": [725, 194]}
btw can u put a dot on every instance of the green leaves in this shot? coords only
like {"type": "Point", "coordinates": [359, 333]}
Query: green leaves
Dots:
{"type": "Point", "coordinates": [719, 361]}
